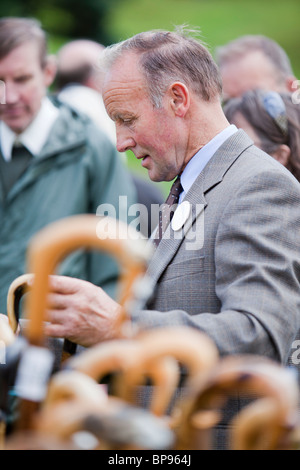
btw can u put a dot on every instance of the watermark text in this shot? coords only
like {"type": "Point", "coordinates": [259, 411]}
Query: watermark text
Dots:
{"type": "Point", "coordinates": [187, 224]}
{"type": "Point", "coordinates": [2, 92]}
{"type": "Point", "coordinates": [2, 352]}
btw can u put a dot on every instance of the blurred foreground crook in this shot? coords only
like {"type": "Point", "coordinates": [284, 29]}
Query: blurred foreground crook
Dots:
{"type": "Point", "coordinates": [75, 404]}
{"type": "Point", "coordinates": [163, 352]}
{"type": "Point", "coordinates": [154, 355]}
{"type": "Point", "coordinates": [268, 423]}
{"type": "Point", "coordinates": [46, 250]}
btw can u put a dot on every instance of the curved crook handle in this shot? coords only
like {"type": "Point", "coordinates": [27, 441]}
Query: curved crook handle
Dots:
{"type": "Point", "coordinates": [70, 396]}
{"type": "Point", "coordinates": [187, 346]}
{"type": "Point", "coordinates": [16, 290]}
{"type": "Point", "coordinates": [258, 427]}
{"type": "Point", "coordinates": [66, 386]}
{"type": "Point", "coordinates": [164, 374]}
{"type": "Point", "coordinates": [253, 376]}
{"type": "Point", "coordinates": [192, 348]}
{"type": "Point", "coordinates": [104, 358]}
{"type": "Point", "coordinates": [126, 356]}
{"type": "Point", "coordinates": [122, 356]}
{"type": "Point", "coordinates": [54, 242]}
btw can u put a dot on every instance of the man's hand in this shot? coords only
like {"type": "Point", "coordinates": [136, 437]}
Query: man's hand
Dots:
{"type": "Point", "coordinates": [80, 312]}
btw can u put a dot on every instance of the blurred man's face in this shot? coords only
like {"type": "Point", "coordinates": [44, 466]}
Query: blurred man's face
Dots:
{"type": "Point", "coordinates": [249, 72]}
{"type": "Point", "coordinates": [26, 84]}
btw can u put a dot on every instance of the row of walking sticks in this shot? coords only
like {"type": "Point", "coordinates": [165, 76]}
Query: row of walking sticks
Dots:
{"type": "Point", "coordinates": [145, 405]}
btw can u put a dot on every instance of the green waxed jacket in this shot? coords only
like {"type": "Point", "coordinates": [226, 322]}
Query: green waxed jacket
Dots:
{"type": "Point", "coordinates": [77, 170]}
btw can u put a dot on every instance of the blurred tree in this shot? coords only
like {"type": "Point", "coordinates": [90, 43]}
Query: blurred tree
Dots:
{"type": "Point", "coordinates": [66, 18]}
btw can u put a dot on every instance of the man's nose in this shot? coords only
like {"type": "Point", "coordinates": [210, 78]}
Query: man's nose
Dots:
{"type": "Point", "coordinates": [11, 93]}
{"type": "Point", "coordinates": [124, 142]}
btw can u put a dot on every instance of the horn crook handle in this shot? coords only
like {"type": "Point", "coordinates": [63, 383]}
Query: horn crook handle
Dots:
{"type": "Point", "coordinates": [15, 292]}
{"type": "Point", "coordinates": [49, 246]}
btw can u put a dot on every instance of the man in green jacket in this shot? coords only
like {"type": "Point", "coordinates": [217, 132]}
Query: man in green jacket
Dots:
{"type": "Point", "coordinates": [54, 162]}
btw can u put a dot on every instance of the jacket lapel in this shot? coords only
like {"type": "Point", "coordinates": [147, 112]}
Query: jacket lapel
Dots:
{"type": "Point", "coordinates": [212, 175]}
{"type": "Point", "coordinates": [224, 157]}
{"type": "Point", "coordinates": [172, 240]}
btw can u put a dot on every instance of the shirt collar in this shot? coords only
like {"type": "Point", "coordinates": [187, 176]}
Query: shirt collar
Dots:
{"type": "Point", "coordinates": [202, 157]}
{"type": "Point", "coordinates": [36, 134]}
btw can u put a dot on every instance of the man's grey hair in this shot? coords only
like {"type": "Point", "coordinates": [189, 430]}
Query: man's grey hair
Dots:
{"type": "Point", "coordinates": [243, 45]}
{"type": "Point", "coordinates": [165, 57]}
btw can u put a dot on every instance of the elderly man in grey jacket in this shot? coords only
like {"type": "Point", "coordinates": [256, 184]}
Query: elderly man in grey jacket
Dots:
{"type": "Point", "coordinates": [228, 263]}
{"type": "Point", "coordinates": [231, 268]}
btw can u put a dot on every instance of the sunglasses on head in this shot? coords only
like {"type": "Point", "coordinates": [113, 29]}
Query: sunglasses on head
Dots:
{"type": "Point", "coordinates": [275, 107]}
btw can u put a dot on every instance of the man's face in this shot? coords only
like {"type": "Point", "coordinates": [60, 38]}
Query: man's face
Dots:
{"type": "Point", "coordinates": [152, 134]}
{"type": "Point", "coordinates": [26, 83]}
{"type": "Point", "coordinates": [251, 71]}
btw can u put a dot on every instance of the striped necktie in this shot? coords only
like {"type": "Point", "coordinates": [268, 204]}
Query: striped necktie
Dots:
{"type": "Point", "coordinates": [168, 209]}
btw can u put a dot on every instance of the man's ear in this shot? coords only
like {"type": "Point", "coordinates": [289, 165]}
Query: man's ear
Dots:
{"type": "Point", "coordinates": [282, 154]}
{"type": "Point", "coordinates": [50, 70]}
{"type": "Point", "coordinates": [179, 98]}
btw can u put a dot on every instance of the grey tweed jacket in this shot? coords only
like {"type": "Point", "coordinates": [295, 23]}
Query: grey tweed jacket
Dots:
{"type": "Point", "coordinates": [233, 270]}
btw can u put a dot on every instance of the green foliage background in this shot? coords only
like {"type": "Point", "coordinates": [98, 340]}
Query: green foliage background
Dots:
{"type": "Point", "coordinates": [219, 20]}
{"type": "Point", "coordinates": [109, 21]}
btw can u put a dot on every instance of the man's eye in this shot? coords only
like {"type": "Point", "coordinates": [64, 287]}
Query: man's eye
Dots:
{"type": "Point", "coordinates": [125, 120]}
{"type": "Point", "coordinates": [22, 78]}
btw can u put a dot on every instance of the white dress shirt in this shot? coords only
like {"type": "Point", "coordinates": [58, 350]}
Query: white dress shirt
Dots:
{"type": "Point", "coordinates": [36, 134]}
{"type": "Point", "coordinates": [201, 158]}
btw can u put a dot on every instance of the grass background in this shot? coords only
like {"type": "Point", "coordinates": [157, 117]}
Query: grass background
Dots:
{"type": "Point", "coordinates": [219, 20]}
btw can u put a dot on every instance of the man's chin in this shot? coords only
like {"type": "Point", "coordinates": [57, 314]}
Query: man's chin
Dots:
{"type": "Point", "coordinates": [152, 175]}
{"type": "Point", "coordinates": [15, 125]}
{"type": "Point", "coordinates": [155, 173]}
{"type": "Point", "coordinates": [155, 177]}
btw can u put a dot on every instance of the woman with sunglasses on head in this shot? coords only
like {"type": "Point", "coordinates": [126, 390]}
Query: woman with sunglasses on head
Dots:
{"type": "Point", "coordinates": [272, 120]}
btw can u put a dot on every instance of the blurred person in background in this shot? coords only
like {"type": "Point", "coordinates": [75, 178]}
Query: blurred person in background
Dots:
{"type": "Point", "coordinates": [79, 83]}
{"type": "Point", "coordinates": [254, 61]}
{"type": "Point", "coordinates": [272, 121]}
{"type": "Point", "coordinates": [54, 162]}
